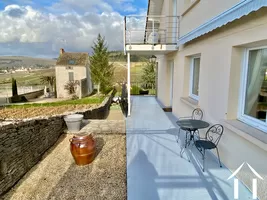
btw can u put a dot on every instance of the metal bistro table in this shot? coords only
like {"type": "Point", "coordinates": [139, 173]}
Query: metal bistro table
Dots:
{"type": "Point", "coordinates": [191, 126]}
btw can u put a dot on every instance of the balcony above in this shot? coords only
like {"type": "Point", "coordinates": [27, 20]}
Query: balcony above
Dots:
{"type": "Point", "coordinates": [151, 34]}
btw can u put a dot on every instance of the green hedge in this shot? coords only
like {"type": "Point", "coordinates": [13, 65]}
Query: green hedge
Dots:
{"type": "Point", "coordinates": [135, 90]}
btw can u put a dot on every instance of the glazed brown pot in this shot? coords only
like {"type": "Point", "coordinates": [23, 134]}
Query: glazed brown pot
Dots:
{"type": "Point", "coordinates": [82, 148]}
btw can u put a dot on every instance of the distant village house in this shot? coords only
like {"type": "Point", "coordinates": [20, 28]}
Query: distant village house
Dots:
{"type": "Point", "coordinates": [72, 66]}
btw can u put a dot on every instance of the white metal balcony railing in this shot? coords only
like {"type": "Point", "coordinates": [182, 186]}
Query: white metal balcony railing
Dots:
{"type": "Point", "coordinates": [151, 29]}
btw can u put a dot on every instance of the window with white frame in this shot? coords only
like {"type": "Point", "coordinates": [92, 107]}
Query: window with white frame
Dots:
{"type": "Point", "coordinates": [194, 77]}
{"type": "Point", "coordinates": [253, 97]}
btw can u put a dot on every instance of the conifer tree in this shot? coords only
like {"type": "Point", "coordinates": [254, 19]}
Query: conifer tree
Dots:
{"type": "Point", "coordinates": [149, 75]}
{"type": "Point", "coordinates": [14, 87]}
{"type": "Point", "coordinates": [101, 71]}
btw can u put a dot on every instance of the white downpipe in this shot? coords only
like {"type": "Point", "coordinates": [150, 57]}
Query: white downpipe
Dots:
{"type": "Point", "coordinates": [129, 83]}
{"type": "Point", "coordinates": [153, 31]}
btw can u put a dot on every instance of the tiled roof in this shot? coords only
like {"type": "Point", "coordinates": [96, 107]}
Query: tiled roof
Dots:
{"type": "Point", "coordinates": [68, 58]}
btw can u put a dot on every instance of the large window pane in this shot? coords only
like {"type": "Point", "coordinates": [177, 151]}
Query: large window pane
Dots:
{"type": "Point", "coordinates": [256, 85]}
{"type": "Point", "coordinates": [195, 80]}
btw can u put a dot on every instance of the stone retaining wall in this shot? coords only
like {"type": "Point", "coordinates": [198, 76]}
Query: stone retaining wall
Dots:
{"type": "Point", "coordinates": [102, 111]}
{"type": "Point", "coordinates": [22, 145]}
{"type": "Point", "coordinates": [28, 96]}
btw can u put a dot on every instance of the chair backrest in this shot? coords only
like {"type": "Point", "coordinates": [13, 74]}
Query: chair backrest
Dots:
{"type": "Point", "coordinates": [197, 114]}
{"type": "Point", "coordinates": [214, 133]}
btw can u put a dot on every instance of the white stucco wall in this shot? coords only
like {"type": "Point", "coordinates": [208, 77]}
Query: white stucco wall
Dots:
{"type": "Point", "coordinates": [62, 77]}
{"type": "Point", "coordinates": [163, 85]}
{"type": "Point", "coordinates": [221, 61]}
{"type": "Point", "coordinates": [203, 11]}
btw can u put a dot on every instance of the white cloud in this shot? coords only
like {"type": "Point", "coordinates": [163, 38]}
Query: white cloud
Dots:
{"type": "Point", "coordinates": [71, 24]}
{"type": "Point", "coordinates": [81, 6]}
{"type": "Point", "coordinates": [25, 26]}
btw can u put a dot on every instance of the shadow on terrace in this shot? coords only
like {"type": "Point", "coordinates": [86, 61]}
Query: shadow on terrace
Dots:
{"type": "Point", "coordinates": [155, 169]}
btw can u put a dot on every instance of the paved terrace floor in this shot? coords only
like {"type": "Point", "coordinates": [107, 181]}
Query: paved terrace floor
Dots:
{"type": "Point", "coordinates": [155, 170]}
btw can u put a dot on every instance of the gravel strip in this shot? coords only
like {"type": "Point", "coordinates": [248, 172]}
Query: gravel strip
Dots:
{"type": "Point", "coordinates": [57, 177]}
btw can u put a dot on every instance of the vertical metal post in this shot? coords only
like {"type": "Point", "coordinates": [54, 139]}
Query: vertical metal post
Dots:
{"type": "Point", "coordinates": [236, 188]}
{"type": "Point", "coordinates": [254, 189]}
{"type": "Point", "coordinates": [178, 28]}
{"type": "Point", "coordinates": [130, 30]}
{"type": "Point", "coordinates": [124, 36]}
{"type": "Point", "coordinates": [129, 83]}
{"type": "Point", "coordinates": [153, 31]}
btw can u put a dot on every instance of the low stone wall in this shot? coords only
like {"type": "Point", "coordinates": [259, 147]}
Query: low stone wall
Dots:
{"type": "Point", "coordinates": [28, 96]}
{"type": "Point", "coordinates": [22, 145]}
{"type": "Point", "coordinates": [102, 111]}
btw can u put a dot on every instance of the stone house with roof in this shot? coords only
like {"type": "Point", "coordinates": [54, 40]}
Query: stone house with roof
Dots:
{"type": "Point", "coordinates": [72, 66]}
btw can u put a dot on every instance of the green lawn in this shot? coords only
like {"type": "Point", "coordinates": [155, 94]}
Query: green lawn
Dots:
{"type": "Point", "coordinates": [86, 100]}
{"type": "Point", "coordinates": [152, 91]}
{"type": "Point", "coordinates": [120, 73]}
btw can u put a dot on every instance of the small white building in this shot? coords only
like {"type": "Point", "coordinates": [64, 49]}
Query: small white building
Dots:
{"type": "Point", "coordinates": [72, 66]}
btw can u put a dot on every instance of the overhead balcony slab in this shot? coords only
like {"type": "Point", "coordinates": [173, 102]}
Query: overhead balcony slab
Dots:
{"type": "Point", "coordinates": [151, 49]}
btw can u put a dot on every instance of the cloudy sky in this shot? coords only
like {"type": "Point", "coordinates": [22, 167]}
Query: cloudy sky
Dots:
{"type": "Point", "coordinates": [40, 28]}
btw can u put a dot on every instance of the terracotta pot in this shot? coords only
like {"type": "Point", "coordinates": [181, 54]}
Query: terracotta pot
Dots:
{"type": "Point", "coordinates": [82, 148]}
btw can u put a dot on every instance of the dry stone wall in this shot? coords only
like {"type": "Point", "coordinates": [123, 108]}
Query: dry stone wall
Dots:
{"type": "Point", "coordinates": [28, 96]}
{"type": "Point", "coordinates": [102, 111]}
{"type": "Point", "coordinates": [22, 145]}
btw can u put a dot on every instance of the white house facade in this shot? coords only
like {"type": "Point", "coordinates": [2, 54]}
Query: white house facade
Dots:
{"type": "Point", "coordinates": [212, 55]}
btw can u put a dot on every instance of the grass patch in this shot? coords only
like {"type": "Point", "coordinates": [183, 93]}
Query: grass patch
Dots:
{"type": "Point", "coordinates": [152, 91]}
{"type": "Point", "coordinates": [86, 100]}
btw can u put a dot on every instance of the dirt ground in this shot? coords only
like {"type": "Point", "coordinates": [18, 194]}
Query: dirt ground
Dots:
{"type": "Point", "coordinates": [57, 177]}
{"type": "Point", "coordinates": [115, 113]}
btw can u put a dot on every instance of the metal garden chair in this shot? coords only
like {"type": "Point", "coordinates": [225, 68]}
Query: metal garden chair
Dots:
{"type": "Point", "coordinates": [211, 140]}
{"type": "Point", "coordinates": [196, 114]}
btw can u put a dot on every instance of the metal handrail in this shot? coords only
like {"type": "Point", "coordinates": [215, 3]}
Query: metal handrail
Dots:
{"type": "Point", "coordinates": [165, 29]}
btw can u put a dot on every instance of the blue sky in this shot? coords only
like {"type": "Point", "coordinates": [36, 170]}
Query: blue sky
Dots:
{"type": "Point", "coordinates": [139, 4]}
{"type": "Point", "coordinates": [41, 28]}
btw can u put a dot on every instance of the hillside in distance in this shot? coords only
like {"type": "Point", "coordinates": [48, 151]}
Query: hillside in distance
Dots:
{"type": "Point", "coordinates": [118, 56]}
{"type": "Point", "coordinates": [23, 61]}
{"type": "Point", "coordinates": [19, 61]}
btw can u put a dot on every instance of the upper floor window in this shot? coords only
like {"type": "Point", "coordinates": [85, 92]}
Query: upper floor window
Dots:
{"type": "Point", "coordinates": [71, 62]}
{"type": "Point", "coordinates": [194, 77]}
{"type": "Point", "coordinates": [253, 98]}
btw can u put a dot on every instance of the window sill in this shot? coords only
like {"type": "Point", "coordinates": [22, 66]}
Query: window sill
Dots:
{"type": "Point", "coordinates": [253, 135]}
{"type": "Point", "coordinates": [189, 101]}
{"type": "Point", "coordinates": [190, 7]}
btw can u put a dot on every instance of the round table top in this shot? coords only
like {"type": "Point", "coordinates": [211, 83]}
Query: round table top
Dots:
{"type": "Point", "coordinates": [192, 124]}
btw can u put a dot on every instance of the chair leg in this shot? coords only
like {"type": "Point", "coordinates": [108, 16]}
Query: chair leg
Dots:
{"type": "Point", "coordinates": [218, 157]}
{"type": "Point", "coordinates": [186, 140]}
{"type": "Point", "coordinates": [203, 159]}
{"type": "Point", "coordinates": [178, 136]}
{"type": "Point", "coordinates": [197, 134]}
